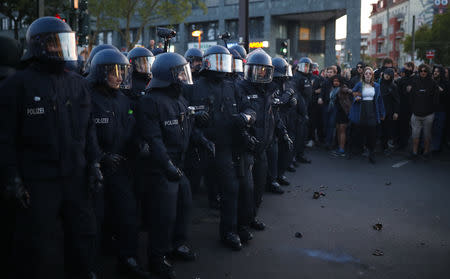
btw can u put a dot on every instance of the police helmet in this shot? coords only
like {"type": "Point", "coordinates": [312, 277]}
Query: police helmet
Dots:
{"type": "Point", "coordinates": [241, 50]}
{"type": "Point", "coordinates": [304, 65]}
{"type": "Point", "coordinates": [238, 64]}
{"type": "Point", "coordinates": [111, 68]}
{"type": "Point", "coordinates": [94, 51]}
{"type": "Point", "coordinates": [281, 67]}
{"type": "Point", "coordinates": [217, 58]}
{"type": "Point", "coordinates": [193, 54]}
{"type": "Point", "coordinates": [141, 60]}
{"type": "Point", "coordinates": [51, 39]}
{"type": "Point", "coordinates": [259, 68]}
{"type": "Point", "coordinates": [170, 68]}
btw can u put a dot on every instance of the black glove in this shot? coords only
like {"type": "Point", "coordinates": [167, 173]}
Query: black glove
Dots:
{"type": "Point", "coordinates": [288, 141]}
{"type": "Point", "coordinates": [243, 119]}
{"type": "Point", "coordinates": [110, 162]}
{"type": "Point", "coordinates": [16, 191]}
{"type": "Point", "coordinates": [95, 178]}
{"type": "Point", "coordinates": [144, 149]}
{"type": "Point", "coordinates": [172, 172]}
{"type": "Point", "coordinates": [209, 145]}
{"type": "Point", "coordinates": [201, 118]}
{"type": "Point", "coordinates": [250, 141]}
{"type": "Point", "coordinates": [293, 102]}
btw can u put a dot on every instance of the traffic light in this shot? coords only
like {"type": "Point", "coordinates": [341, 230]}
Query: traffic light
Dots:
{"type": "Point", "coordinates": [83, 22]}
{"type": "Point", "coordinates": [284, 48]}
{"type": "Point", "coordinates": [61, 16]}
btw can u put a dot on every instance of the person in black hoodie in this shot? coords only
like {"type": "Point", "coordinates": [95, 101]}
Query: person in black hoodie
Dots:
{"type": "Point", "coordinates": [359, 74]}
{"type": "Point", "coordinates": [440, 113]}
{"type": "Point", "coordinates": [391, 100]}
{"type": "Point", "coordinates": [405, 105]}
{"type": "Point", "coordinates": [423, 99]}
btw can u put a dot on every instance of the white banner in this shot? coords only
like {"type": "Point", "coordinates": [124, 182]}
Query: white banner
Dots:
{"type": "Point", "coordinates": [203, 45]}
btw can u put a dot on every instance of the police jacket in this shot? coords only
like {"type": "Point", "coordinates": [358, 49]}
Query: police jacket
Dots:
{"type": "Point", "coordinates": [223, 102]}
{"type": "Point", "coordinates": [261, 97]}
{"type": "Point", "coordinates": [138, 84]}
{"type": "Point", "coordinates": [46, 124]}
{"type": "Point", "coordinates": [301, 82]}
{"type": "Point", "coordinates": [114, 120]}
{"type": "Point", "coordinates": [287, 110]}
{"type": "Point", "coordinates": [165, 124]}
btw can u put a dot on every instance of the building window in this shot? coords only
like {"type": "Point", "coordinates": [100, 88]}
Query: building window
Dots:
{"type": "Point", "coordinates": [109, 37]}
{"type": "Point", "coordinates": [210, 31]}
{"type": "Point", "coordinates": [322, 33]}
{"type": "Point", "coordinates": [305, 33]}
{"type": "Point", "coordinates": [379, 47]}
{"type": "Point", "coordinates": [256, 28]}
{"type": "Point", "coordinates": [5, 23]}
{"type": "Point", "coordinates": [100, 40]}
{"type": "Point", "coordinates": [232, 26]}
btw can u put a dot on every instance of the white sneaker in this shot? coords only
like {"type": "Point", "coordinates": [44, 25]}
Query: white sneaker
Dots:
{"type": "Point", "coordinates": [310, 143]}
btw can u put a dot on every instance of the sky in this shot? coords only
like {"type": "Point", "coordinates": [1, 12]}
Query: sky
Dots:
{"type": "Point", "coordinates": [341, 23]}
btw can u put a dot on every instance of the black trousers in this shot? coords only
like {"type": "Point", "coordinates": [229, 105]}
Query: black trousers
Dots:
{"type": "Point", "coordinates": [224, 167]}
{"type": "Point", "coordinates": [121, 211]}
{"type": "Point", "coordinates": [272, 161]}
{"type": "Point", "coordinates": [316, 126]}
{"type": "Point", "coordinates": [285, 157]}
{"type": "Point", "coordinates": [246, 190]}
{"type": "Point", "coordinates": [8, 221]}
{"type": "Point", "coordinates": [259, 178]}
{"type": "Point", "coordinates": [167, 207]}
{"type": "Point", "coordinates": [364, 134]}
{"type": "Point", "coordinates": [404, 126]}
{"type": "Point", "coordinates": [57, 205]}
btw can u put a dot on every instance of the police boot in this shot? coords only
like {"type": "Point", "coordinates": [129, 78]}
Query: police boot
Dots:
{"type": "Point", "coordinates": [302, 159]}
{"type": "Point", "coordinates": [257, 225]}
{"type": "Point", "coordinates": [162, 267]}
{"type": "Point", "coordinates": [184, 253]}
{"type": "Point", "coordinates": [291, 168]}
{"type": "Point", "coordinates": [244, 234]}
{"type": "Point", "coordinates": [283, 180]}
{"type": "Point", "coordinates": [372, 157]}
{"type": "Point", "coordinates": [130, 269]}
{"type": "Point", "coordinates": [232, 240]}
{"type": "Point", "coordinates": [275, 188]}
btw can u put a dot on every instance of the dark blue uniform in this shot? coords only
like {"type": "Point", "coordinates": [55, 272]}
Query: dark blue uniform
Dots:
{"type": "Point", "coordinates": [47, 137]}
{"type": "Point", "coordinates": [164, 123]}
{"type": "Point", "coordinates": [303, 87]}
{"type": "Point", "coordinates": [261, 98]}
{"type": "Point", "coordinates": [115, 125]}
{"type": "Point", "coordinates": [223, 103]}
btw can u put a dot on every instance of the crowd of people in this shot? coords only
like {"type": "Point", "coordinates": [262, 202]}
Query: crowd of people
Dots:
{"type": "Point", "coordinates": [104, 149]}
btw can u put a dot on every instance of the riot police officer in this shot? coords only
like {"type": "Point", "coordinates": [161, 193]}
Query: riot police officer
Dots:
{"type": "Point", "coordinates": [237, 66]}
{"type": "Point", "coordinates": [141, 60]}
{"type": "Point", "coordinates": [94, 51]}
{"type": "Point", "coordinates": [301, 83]}
{"type": "Point", "coordinates": [115, 125]}
{"type": "Point", "coordinates": [286, 108]}
{"type": "Point", "coordinates": [257, 87]}
{"type": "Point", "coordinates": [229, 113]}
{"type": "Point", "coordinates": [166, 125]}
{"type": "Point", "coordinates": [194, 56]}
{"type": "Point", "coordinates": [46, 114]}
{"type": "Point", "coordinates": [241, 50]}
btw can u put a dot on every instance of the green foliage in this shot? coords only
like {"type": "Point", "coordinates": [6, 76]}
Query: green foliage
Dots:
{"type": "Point", "coordinates": [435, 37]}
{"type": "Point", "coordinates": [118, 14]}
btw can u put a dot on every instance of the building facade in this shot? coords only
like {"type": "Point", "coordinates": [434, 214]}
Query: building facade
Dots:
{"type": "Point", "coordinates": [309, 26]}
{"type": "Point", "coordinates": [392, 20]}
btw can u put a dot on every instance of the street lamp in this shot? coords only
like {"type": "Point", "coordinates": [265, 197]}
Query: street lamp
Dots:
{"type": "Point", "coordinates": [198, 34]}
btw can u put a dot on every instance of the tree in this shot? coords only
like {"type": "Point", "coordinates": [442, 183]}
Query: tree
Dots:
{"type": "Point", "coordinates": [118, 14]}
{"type": "Point", "coordinates": [434, 37]}
{"type": "Point", "coordinates": [22, 11]}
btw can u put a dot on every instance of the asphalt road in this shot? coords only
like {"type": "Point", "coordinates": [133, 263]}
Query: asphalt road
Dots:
{"type": "Point", "coordinates": [411, 200]}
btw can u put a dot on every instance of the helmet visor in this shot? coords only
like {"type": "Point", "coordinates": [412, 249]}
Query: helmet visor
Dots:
{"type": "Point", "coordinates": [238, 66]}
{"type": "Point", "coordinates": [303, 67]}
{"type": "Point", "coordinates": [182, 74]}
{"type": "Point", "coordinates": [117, 76]}
{"type": "Point", "coordinates": [60, 46]}
{"type": "Point", "coordinates": [219, 62]}
{"type": "Point", "coordinates": [258, 73]}
{"type": "Point", "coordinates": [143, 64]}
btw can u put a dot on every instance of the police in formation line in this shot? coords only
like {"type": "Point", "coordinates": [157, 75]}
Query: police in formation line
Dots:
{"type": "Point", "coordinates": [88, 157]}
